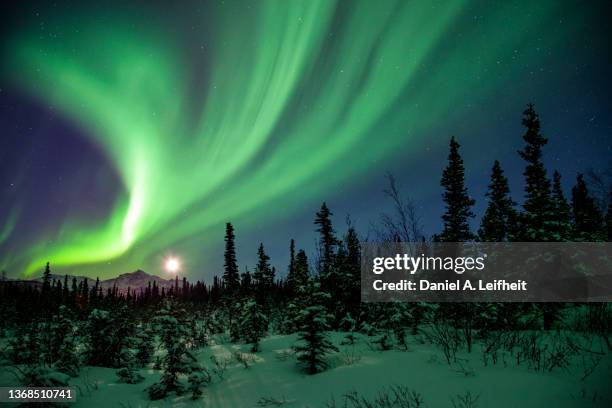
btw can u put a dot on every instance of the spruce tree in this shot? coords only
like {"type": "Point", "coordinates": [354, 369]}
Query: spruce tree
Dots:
{"type": "Point", "coordinates": [313, 342]}
{"type": "Point", "coordinates": [299, 294]}
{"type": "Point", "coordinates": [254, 324]}
{"type": "Point", "coordinates": [46, 283]}
{"type": "Point", "coordinates": [246, 283]}
{"type": "Point", "coordinates": [561, 213]}
{"type": "Point", "coordinates": [263, 276]}
{"type": "Point", "coordinates": [99, 339]}
{"type": "Point", "coordinates": [327, 240]}
{"type": "Point", "coordinates": [145, 346]}
{"type": "Point", "coordinates": [231, 276]}
{"type": "Point", "coordinates": [537, 218]}
{"type": "Point", "coordinates": [588, 221]}
{"type": "Point", "coordinates": [457, 202]}
{"type": "Point", "coordinates": [291, 268]}
{"type": "Point", "coordinates": [609, 220]}
{"type": "Point", "coordinates": [178, 360]}
{"type": "Point", "coordinates": [499, 217]}
{"type": "Point", "coordinates": [128, 363]}
{"type": "Point", "coordinates": [302, 274]}
{"type": "Point", "coordinates": [352, 268]}
{"type": "Point", "coordinates": [69, 361]}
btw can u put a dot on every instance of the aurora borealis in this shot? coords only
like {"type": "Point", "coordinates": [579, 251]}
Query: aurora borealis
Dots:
{"type": "Point", "coordinates": [249, 111]}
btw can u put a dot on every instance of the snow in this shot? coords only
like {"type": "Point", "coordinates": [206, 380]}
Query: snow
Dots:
{"type": "Point", "coordinates": [273, 373]}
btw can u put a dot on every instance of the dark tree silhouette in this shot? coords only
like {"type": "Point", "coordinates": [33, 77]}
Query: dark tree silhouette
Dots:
{"type": "Point", "coordinates": [327, 239]}
{"type": "Point", "coordinates": [457, 202]}
{"type": "Point", "coordinates": [500, 215]}
{"type": "Point", "coordinates": [231, 277]}
{"type": "Point", "coordinates": [538, 205]}
{"type": "Point", "coordinates": [291, 268]}
{"type": "Point", "coordinates": [609, 220]}
{"type": "Point", "coordinates": [313, 342]}
{"type": "Point", "coordinates": [561, 214]}
{"type": "Point", "coordinates": [588, 220]}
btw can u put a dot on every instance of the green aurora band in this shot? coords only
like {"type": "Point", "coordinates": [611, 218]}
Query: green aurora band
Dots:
{"type": "Point", "coordinates": [297, 97]}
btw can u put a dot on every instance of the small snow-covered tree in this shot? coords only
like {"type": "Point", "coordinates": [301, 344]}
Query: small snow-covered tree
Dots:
{"type": "Point", "coordinates": [25, 344]}
{"type": "Point", "coordinates": [68, 361]}
{"type": "Point", "coordinates": [127, 362]}
{"type": "Point", "coordinates": [234, 311]}
{"type": "Point", "coordinates": [174, 332]}
{"type": "Point", "coordinates": [314, 343]}
{"type": "Point", "coordinates": [144, 345]}
{"type": "Point", "coordinates": [254, 324]}
{"type": "Point", "coordinates": [99, 338]}
{"type": "Point", "coordinates": [60, 327]}
{"type": "Point", "coordinates": [398, 320]}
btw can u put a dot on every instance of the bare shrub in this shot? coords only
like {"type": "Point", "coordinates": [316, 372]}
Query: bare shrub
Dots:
{"type": "Point", "coordinates": [462, 366]}
{"type": "Point", "coordinates": [272, 401]}
{"type": "Point", "coordinates": [220, 365]}
{"type": "Point", "coordinates": [350, 356]}
{"type": "Point", "coordinates": [466, 400]}
{"type": "Point", "coordinates": [245, 359]}
{"type": "Point", "coordinates": [446, 338]}
{"type": "Point", "coordinates": [394, 396]}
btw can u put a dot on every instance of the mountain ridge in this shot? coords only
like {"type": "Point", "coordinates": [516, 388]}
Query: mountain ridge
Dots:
{"type": "Point", "coordinates": [134, 280]}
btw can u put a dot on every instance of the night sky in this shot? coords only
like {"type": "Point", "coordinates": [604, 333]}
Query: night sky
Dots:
{"type": "Point", "coordinates": [133, 132]}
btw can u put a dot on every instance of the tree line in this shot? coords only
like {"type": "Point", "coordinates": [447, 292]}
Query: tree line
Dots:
{"type": "Point", "coordinates": [61, 325]}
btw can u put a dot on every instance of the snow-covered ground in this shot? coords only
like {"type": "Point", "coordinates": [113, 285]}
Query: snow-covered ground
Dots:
{"type": "Point", "coordinates": [273, 374]}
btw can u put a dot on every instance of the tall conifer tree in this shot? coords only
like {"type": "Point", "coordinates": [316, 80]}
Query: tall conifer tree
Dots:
{"type": "Point", "coordinates": [609, 220]}
{"type": "Point", "coordinates": [561, 215]}
{"type": "Point", "coordinates": [231, 276]}
{"type": "Point", "coordinates": [327, 239]}
{"type": "Point", "coordinates": [536, 225]}
{"type": "Point", "coordinates": [496, 225]}
{"type": "Point", "coordinates": [457, 202]}
{"type": "Point", "coordinates": [588, 220]}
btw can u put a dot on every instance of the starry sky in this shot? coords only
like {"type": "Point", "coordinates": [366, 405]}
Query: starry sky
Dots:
{"type": "Point", "coordinates": [132, 131]}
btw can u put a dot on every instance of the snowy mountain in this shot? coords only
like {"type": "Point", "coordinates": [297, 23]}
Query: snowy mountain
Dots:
{"type": "Point", "coordinates": [134, 280]}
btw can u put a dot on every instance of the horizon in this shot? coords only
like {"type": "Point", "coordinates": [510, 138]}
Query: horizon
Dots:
{"type": "Point", "coordinates": [125, 186]}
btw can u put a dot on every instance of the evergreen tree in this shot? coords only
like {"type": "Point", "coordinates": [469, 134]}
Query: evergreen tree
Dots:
{"type": "Point", "coordinates": [68, 361]}
{"type": "Point", "coordinates": [46, 281]}
{"type": "Point", "coordinates": [246, 283]}
{"type": "Point", "coordinates": [85, 292]}
{"type": "Point", "coordinates": [231, 276]}
{"type": "Point", "coordinates": [99, 338]}
{"type": "Point", "coordinates": [178, 360]}
{"type": "Point", "coordinates": [144, 345]}
{"type": "Point", "coordinates": [456, 199]}
{"type": "Point", "coordinates": [260, 269]}
{"type": "Point", "coordinates": [299, 297]}
{"type": "Point", "coordinates": [263, 276]}
{"type": "Point", "coordinates": [588, 221]}
{"type": "Point", "coordinates": [254, 324]}
{"type": "Point", "coordinates": [327, 240]}
{"type": "Point", "coordinates": [291, 268]}
{"type": "Point", "coordinates": [561, 217]}
{"type": "Point", "coordinates": [58, 329]}
{"type": "Point", "coordinates": [46, 286]}
{"type": "Point", "coordinates": [302, 274]}
{"type": "Point", "coordinates": [128, 372]}
{"type": "Point", "coordinates": [74, 291]}
{"type": "Point", "coordinates": [496, 224]}
{"type": "Point", "coordinates": [609, 220]}
{"type": "Point", "coordinates": [65, 291]}
{"type": "Point", "coordinates": [537, 218]}
{"type": "Point", "coordinates": [313, 342]}
{"type": "Point", "coordinates": [352, 269]}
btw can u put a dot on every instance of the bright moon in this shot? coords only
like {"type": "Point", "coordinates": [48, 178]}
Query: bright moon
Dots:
{"type": "Point", "coordinates": [172, 265]}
